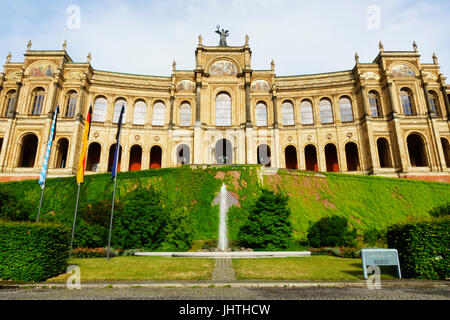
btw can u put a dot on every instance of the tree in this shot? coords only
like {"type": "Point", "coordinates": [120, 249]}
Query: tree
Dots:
{"type": "Point", "coordinates": [331, 232]}
{"type": "Point", "coordinates": [268, 225]}
{"type": "Point", "coordinates": [141, 222]}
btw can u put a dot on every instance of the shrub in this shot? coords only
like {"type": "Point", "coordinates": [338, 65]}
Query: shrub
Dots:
{"type": "Point", "coordinates": [375, 238]}
{"type": "Point", "coordinates": [440, 211]}
{"type": "Point", "coordinates": [11, 209]}
{"type": "Point", "coordinates": [268, 224]}
{"type": "Point", "coordinates": [178, 231]}
{"type": "Point", "coordinates": [331, 232]}
{"type": "Point", "coordinates": [33, 252]}
{"type": "Point", "coordinates": [423, 248]}
{"type": "Point", "coordinates": [141, 222]}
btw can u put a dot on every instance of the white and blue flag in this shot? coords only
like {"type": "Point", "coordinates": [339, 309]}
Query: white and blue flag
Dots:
{"type": "Point", "coordinates": [49, 148]}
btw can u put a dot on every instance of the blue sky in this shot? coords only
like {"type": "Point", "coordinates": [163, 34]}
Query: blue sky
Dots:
{"type": "Point", "coordinates": [302, 37]}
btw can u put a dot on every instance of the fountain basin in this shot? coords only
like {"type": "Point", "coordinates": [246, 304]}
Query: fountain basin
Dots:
{"type": "Point", "coordinates": [227, 254]}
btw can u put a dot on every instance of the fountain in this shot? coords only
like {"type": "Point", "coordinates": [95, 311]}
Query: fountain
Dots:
{"type": "Point", "coordinates": [226, 200]}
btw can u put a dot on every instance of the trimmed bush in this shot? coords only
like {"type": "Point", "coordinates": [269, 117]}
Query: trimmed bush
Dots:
{"type": "Point", "coordinates": [141, 222]}
{"type": "Point", "coordinates": [33, 252]}
{"type": "Point", "coordinates": [423, 248]}
{"type": "Point", "coordinates": [268, 225]}
{"type": "Point", "coordinates": [331, 232]}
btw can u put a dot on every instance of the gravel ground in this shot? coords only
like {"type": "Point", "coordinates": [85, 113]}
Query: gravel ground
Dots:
{"type": "Point", "coordinates": [346, 293]}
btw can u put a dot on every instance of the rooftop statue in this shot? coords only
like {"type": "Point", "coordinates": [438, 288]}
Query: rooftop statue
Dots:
{"type": "Point", "coordinates": [223, 36]}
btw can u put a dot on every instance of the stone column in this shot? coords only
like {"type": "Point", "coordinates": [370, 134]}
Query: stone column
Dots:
{"type": "Point", "coordinates": [197, 105]}
{"type": "Point", "coordinates": [435, 145]}
{"type": "Point", "coordinates": [248, 118]}
{"type": "Point", "coordinates": [446, 101]}
{"type": "Point", "coordinates": [372, 159]}
{"type": "Point", "coordinates": [275, 117]}
{"type": "Point", "coordinates": [12, 113]}
{"type": "Point", "coordinates": [172, 98]}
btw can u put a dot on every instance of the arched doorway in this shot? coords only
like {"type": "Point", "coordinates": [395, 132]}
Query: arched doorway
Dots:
{"type": "Point", "coordinates": [331, 158]}
{"type": "Point", "coordinates": [351, 154]}
{"type": "Point", "coordinates": [416, 150]}
{"type": "Point", "coordinates": [93, 157]}
{"type": "Point", "coordinates": [61, 156]}
{"type": "Point", "coordinates": [28, 151]}
{"type": "Point", "coordinates": [112, 152]}
{"type": "Point", "coordinates": [183, 154]}
{"type": "Point", "coordinates": [155, 157]}
{"type": "Point", "coordinates": [224, 152]}
{"type": "Point", "coordinates": [263, 154]}
{"type": "Point", "coordinates": [311, 158]}
{"type": "Point", "coordinates": [446, 150]}
{"type": "Point", "coordinates": [135, 158]}
{"type": "Point", "coordinates": [384, 155]}
{"type": "Point", "coordinates": [290, 154]}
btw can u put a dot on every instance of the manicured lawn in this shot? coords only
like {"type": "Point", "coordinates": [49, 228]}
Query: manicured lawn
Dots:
{"type": "Point", "coordinates": [305, 268]}
{"type": "Point", "coordinates": [141, 268]}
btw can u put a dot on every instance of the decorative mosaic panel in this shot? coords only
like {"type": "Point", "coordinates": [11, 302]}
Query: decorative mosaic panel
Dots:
{"type": "Point", "coordinates": [41, 71]}
{"type": "Point", "coordinates": [260, 85]}
{"type": "Point", "coordinates": [402, 71]}
{"type": "Point", "coordinates": [185, 85]}
{"type": "Point", "coordinates": [223, 68]}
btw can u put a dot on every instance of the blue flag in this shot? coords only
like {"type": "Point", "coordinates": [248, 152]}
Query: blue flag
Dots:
{"type": "Point", "coordinates": [116, 153]}
{"type": "Point", "coordinates": [44, 169]}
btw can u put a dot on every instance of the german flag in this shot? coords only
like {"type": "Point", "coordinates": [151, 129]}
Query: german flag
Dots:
{"type": "Point", "coordinates": [82, 163]}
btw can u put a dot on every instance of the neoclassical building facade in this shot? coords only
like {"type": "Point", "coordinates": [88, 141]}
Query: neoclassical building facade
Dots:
{"type": "Point", "coordinates": [388, 117]}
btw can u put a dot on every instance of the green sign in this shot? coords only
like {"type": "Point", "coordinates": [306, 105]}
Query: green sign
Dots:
{"type": "Point", "coordinates": [380, 257]}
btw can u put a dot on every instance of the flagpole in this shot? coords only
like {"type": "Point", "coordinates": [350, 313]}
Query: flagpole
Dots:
{"type": "Point", "coordinates": [114, 172]}
{"type": "Point", "coordinates": [74, 220]}
{"type": "Point", "coordinates": [112, 213]}
{"type": "Point", "coordinates": [40, 202]}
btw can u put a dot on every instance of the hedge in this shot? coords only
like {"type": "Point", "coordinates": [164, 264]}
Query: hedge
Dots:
{"type": "Point", "coordinates": [33, 252]}
{"type": "Point", "coordinates": [423, 248]}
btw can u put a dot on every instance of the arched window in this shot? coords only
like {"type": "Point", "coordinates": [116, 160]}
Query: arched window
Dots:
{"type": "Point", "coordinates": [374, 103]}
{"type": "Point", "coordinates": [261, 114]}
{"type": "Point", "coordinates": [93, 157]}
{"type": "Point", "coordinates": [99, 113]}
{"type": "Point", "coordinates": [183, 154]}
{"type": "Point", "coordinates": [434, 104]}
{"type": "Point", "coordinates": [117, 108]}
{"type": "Point", "coordinates": [224, 152]}
{"type": "Point", "coordinates": [311, 158]}
{"type": "Point", "coordinates": [185, 114]}
{"type": "Point", "coordinates": [28, 151]}
{"type": "Point", "coordinates": [287, 113]}
{"type": "Point", "coordinates": [345, 106]}
{"type": "Point", "coordinates": [446, 150]}
{"type": "Point", "coordinates": [135, 158]}
{"type": "Point", "coordinates": [155, 157]}
{"type": "Point", "coordinates": [384, 154]}
{"type": "Point", "coordinates": [223, 110]}
{"type": "Point", "coordinates": [406, 99]}
{"type": "Point", "coordinates": [158, 114]}
{"type": "Point", "coordinates": [306, 110]}
{"type": "Point", "coordinates": [139, 112]}
{"type": "Point", "coordinates": [10, 98]}
{"type": "Point", "coordinates": [416, 150]}
{"type": "Point", "coordinates": [331, 158]}
{"type": "Point", "coordinates": [326, 112]}
{"type": "Point", "coordinates": [351, 154]}
{"type": "Point", "coordinates": [112, 154]}
{"type": "Point", "coordinates": [71, 103]}
{"type": "Point", "coordinates": [264, 154]}
{"type": "Point", "coordinates": [37, 99]}
{"type": "Point", "coordinates": [290, 157]}
{"type": "Point", "coordinates": [62, 149]}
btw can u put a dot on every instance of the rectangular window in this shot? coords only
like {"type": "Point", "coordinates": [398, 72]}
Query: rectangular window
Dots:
{"type": "Point", "coordinates": [373, 107]}
{"type": "Point", "coordinates": [406, 104]}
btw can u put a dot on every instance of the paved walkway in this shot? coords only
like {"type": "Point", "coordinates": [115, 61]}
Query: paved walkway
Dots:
{"type": "Point", "coordinates": [223, 270]}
